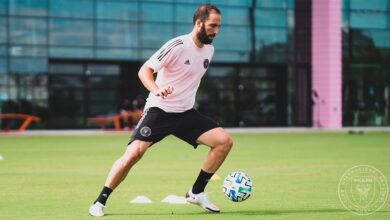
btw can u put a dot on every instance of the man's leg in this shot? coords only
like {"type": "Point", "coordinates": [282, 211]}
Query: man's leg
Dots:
{"type": "Point", "coordinates": [220, 144]}
{"type": "Point", "coordinates": [118, 173]}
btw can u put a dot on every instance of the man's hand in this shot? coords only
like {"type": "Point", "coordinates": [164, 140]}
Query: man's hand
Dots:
{"type": "Point", "coordinates": [164, 92]}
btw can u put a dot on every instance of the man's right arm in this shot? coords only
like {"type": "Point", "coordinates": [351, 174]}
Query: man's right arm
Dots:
{"type": "Point", "coordinates": [146, 75]}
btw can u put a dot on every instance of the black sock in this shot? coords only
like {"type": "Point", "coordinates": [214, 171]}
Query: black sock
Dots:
{"type": "Point", "coordinates": [201, 182]}
{"type": "Point", "coordinates": [104, 195]}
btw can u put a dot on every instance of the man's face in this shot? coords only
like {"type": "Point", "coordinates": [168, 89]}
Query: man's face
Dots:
{"type": "Point", "coordinates": [209, 28]}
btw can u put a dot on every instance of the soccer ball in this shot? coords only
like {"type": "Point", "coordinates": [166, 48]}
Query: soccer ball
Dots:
{"type": "Point", "coordinates": [237, 186]}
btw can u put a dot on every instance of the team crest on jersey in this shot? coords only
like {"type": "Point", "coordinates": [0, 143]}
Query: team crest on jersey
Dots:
{"type": "Point", "coordinates": [206, 63]}
{"type": "Point", "coordinates": [145, 131]}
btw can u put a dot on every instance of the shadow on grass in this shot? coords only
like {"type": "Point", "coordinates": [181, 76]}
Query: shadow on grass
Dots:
{"type": "Point", "coordinates": [238, 213]}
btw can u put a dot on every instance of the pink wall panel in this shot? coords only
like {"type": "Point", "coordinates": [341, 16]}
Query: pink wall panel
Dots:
{"type": "Point", "coordinates": [326, 63]}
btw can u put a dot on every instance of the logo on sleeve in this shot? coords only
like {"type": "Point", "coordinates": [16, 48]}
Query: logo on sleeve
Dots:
{"type": "Point", "coordinates": [206, 63]}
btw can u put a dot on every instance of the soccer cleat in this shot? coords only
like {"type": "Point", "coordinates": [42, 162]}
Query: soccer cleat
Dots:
{"type": "Point", "coordinates": [96, 210]}
{"type": "Point", "coordinates": [202, 201]}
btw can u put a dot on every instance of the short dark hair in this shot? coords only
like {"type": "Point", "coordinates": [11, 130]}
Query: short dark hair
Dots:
{"type": "Point", "coordinates": [203, 12]}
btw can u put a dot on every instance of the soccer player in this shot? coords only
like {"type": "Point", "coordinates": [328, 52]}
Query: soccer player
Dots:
{"type": "Point", "coordinates": [180, 65]}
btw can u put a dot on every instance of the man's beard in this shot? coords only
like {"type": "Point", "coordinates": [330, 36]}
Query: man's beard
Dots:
{"type": "Point", "coordinates": [203, 37]}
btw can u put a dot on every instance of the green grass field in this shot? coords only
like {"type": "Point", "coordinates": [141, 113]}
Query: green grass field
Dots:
{"type": "Point", "coordinates": [295, 176]}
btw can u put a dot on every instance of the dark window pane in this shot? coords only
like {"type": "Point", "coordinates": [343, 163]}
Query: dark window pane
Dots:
{"type": "Point", "coordinates": [233, 38]}
{"type": "Point", "coordinates": [381, 5]}
{"type": "Point", "coordinates": [271, 4]}
{"type": "Point", "coordinates": [34, 51]}
{"type": "Point", "coordinates": [59, 81]}
{"type": "Point", "coordinates": [183, 29]}
{"type": "Point", "coordinates": [102, 108]}
{"type": "Point", "coordinates": [28, 7]}
{"type": "Point", "coordinates": [184, 13]}
{"type": "Point", "coordinates": [236, 16]}
{"type": "Point", "coordinates": [104, 95]}
{"type": "Point", "coordinates": [72, 52]}
{"type": "Point", "coordinates": [67, 32]}
{"type": "Point", "coordinates": [345, 4]}
{"type": "Point", "coordinates": [28, 31]}
{"type": "Point", "coordinates": [104, 82]}
{"type": "Point", "coordinates": [3, 65]}
{"type": "Point", "coordinates": [3, 6]}
{"type": "Point", "coordinates": [71, 8]}
{"type": "Point", "coordinates": [3, 50]}
{"type": "Point", "coordinates": [118, 10]}
{"type": "Point", "coordinates": [271, 18]}
{"type": "Point", "coordinates": [231, 2]}
{"type": "Point", "coordinates": [152, 40]}
{"type": "Point", "coordinates": [270, 37]}
{"type": "Point", "coordinates": [156, 12]}
{"type": "Point", "coordinates": [65, 68]}
{"type": "Point", "coordinates": [369, 20]}
{"type": "Point", "coordinates": [232, 56]}
{"type": "Point", "coordinates": [28, 65]}
{"type": "Point", "coordinates": [380, 38]}
{"type": "Point", "coordinates": [103, 69]}
{"type": "Point", "coordinates": [116, 53]}
{"type": "Point", "coordinates": [117, 34]}
{"type": "Point", "coordinates": [3, 30]}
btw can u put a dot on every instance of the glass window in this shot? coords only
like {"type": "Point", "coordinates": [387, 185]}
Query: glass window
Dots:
{"type": "Point", "coordinates": [271, 4]}
{"type": "Point", "coordinates": [71, 8]}
{"type": "Point", "coordinates": [184, 13]}
{"type": "Point", "coordinates": [157, 12]}
{"type": "Point", "coordinates": [345, 4]}
{"type": "Point", "coordinates": [72, 52]}
{"type": "Point", "coordinates": [118, 10]}
{"type": "Point", "coordinates": [66, 68]}
{"type": "Point", "coordinates": [19, 50]}
{"type": "Point", "coordinates": [230, 56]}
{"type": "Point", "coordinates": [271, 44]}
{"type": "Point", "coordinates": [67, 32]}
{"type": "Point", "coordinates": [233, 38]}
{"type": "Point", "coordinates": [103, 81]}
{"type": "Point", "coordinates": [345, 18]}
{"type": "Point", "coordinates": [270, 37]}
{"type": "Point", "coordinates": [230, 2]}
{"type": "Point", "coordinates": [28, 65]}
{"type": "Point", "coordinates": [152, 40]}
{"type": "Point", "coordinates": [3, 65]}
{"type": "Point", "coordinates": [116, 53]}
{"type": "Point", "coordinates": [104, 95]}
{"type": "Point", "coordinates": [166, 1]}
{"type": "Point", "coordinates": [28, 31]}
{"type": "Point", "coordinates": [117, 34]}
{"type": "Point", "coordinates": [291, 18]}
{"type": "Point", "coordinates": [271, 18]}
{"type": "Point", "coordinates": [236, 16]}
{"type": "Point", "coordinates": [104, 69]}
{"type": "Point", "coordinates": [3, 30]}
{"type": "Point", "coordinates": [380, 38]}
{"type": "Point", "coordinates": [3, 6]}
{"type": "Point", "coordinates": [183, 29]}
{"type": "Point", "coordinates": [368, 20]}
{"type": "Point", "coordinates": [381, 5]}
{"type": "Point", "coordinates": [3, 49]}
{"type": "Point", "coordinates": [28, 7]}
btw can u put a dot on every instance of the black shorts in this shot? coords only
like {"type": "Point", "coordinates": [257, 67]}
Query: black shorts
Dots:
{"type": "Point", "coordinates": [156, 124]}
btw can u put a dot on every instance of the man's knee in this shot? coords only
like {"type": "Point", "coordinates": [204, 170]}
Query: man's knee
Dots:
{"type": "Point", "coordinates": [226, 143]}
{"type": "Point", "coordinates": [133, 154]}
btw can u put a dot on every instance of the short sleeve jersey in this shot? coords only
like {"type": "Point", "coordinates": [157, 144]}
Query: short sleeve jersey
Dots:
{"type": "Point", "coordinates": [181, 64]}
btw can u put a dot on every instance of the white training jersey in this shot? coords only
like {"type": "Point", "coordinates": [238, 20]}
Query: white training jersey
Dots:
{"type": "Point", "coordinates": [181, 64]}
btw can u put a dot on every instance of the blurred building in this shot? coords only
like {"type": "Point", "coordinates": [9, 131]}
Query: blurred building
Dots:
{"type": "Point", "coordinates": [66, 60]}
